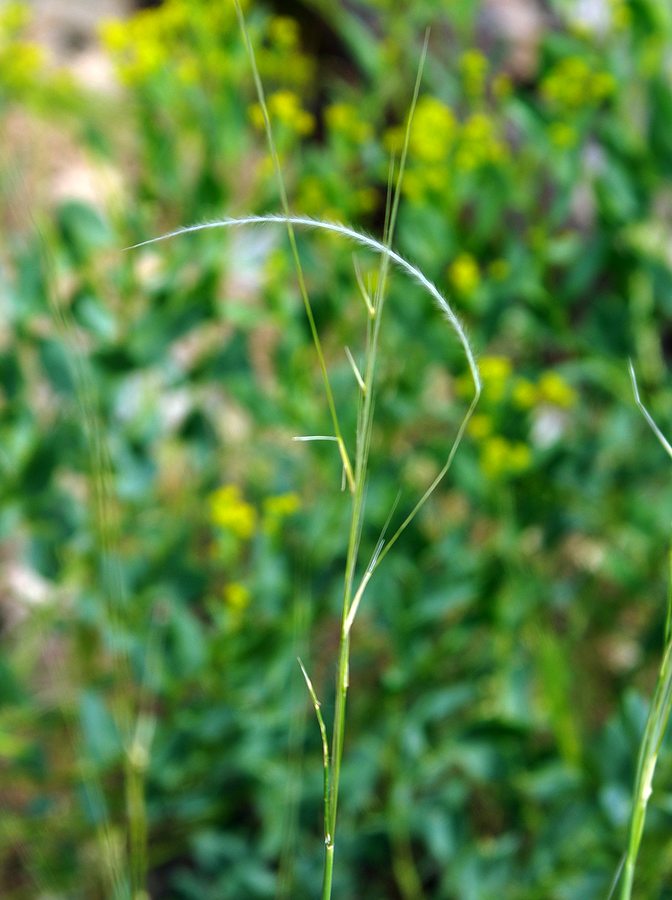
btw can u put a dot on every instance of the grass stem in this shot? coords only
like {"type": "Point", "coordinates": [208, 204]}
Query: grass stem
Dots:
{"type": "Point", "coordinates": [659, 712]}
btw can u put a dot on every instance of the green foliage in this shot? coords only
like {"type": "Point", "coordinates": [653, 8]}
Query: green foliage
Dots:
{"type": "Point", "coordinates": [167, 549]}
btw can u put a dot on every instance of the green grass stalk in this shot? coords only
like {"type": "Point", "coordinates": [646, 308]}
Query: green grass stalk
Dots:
{"type": "Point", "coordinates": [355, 477]}
{"type": "Point", "coordinates": [261, 96]}
{"type": "Point", "coordinates": [353, 595]}
{"type": "Point", "coordinates": [125, 864]}
{"type": "Point", "coordinates": [658, 717]}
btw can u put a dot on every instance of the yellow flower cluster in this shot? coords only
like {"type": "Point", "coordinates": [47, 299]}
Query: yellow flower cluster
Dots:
{"type": "Point", "coordinates": [344, 120]}
{"type": "Point", "coordinates": [284, 109]}
{"type": "Point", "coordinates": [143, 44]}
{"type": "Point", "coordinates": [285, 67]}
{"type": "Point", "coordinates": [21, 62]}
{"type": "Point", "coordinates": [554, 389]}
{"type": "Point", "coordinates": [572, 85]}
{"type": "Point", "coordinates": [229, 511]}
{"type": "Point", "coordinates": [279, 508]}
{"type": "Point", "coordinates": [433, 131]}
{"type": "Point", "coordinates": [281, 505]}
{"type": "Point", "coordinates": [189, 38]}
{"type": "Point", "coordinates": [524, 393]}
{"type": "Point", "coordinates": [152, 39]}
{"type": "Point", "coordinates": [284, 32]}
{"type": "Point", "coordinates": [13, 19]}
{"type": "Point", "coordinates": [551, 389]}
{"type": "Point", "coordinates": [501, 458]}
{"type": "Point", "coordinates": [439, 142]}
{"type": "Point", "coordinates": [26, 74]}
{"type": "Point", "coordinates": [463, 275]}
{"type": "Point", "coordinates": [495, 373]}
{"type": "Point", "coordinates": [480, 143]}
{"type": "Point", "coordinates": [327, 199]}
{"type": "Point", "coordinates": [236, 597]}
{"type": "Point", "coordinates": [281, 60]}
{"type": "Point", "coordinates": [474, 72]}
{"type": "Point", "coordinates": [495, 376]}
{"type": "Point", "coordinates": [480, 426]}
{"type": "Point", "coordinates": [21, 67]}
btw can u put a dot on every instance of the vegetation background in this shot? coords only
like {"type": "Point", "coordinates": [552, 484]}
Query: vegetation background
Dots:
{"type": "Point", "coordinates": [167, 549]}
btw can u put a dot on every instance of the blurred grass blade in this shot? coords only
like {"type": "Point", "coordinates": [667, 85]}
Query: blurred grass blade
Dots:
{"type": "Point", "coordinates": [347, 466]}
{"type": "Point", "coordinates": [647, 415]}
{"type": "Point", "coordinates": [657, 719]}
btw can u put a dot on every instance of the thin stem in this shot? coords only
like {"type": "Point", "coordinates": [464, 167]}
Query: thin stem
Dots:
{"type": "Point", "coordinates": [137, 826]}
{"type": "Point", "coordinates": [137, 760]}
{"type": "Point", "coordinates": [654, 732]}
{"type": "Point", "coordinates": [355, 369]}
{"type": "Point", "coordinates": [647, 415]}
{"type": "Point", "coordinates": [347, 467]}
{"type": "Point", "coordinates": [659, 713]}
{"type": "Point", "coordinates": [364, 429]}
{"type": "Point", "coordinates": [325, 749]}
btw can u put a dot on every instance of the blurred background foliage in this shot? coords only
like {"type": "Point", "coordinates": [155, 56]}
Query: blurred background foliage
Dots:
{"type": "Point", "coordinates": [167, 549]}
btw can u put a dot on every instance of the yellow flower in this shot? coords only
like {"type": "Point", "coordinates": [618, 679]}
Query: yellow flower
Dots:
{"type": "Point", "coordinates": [229, 511]}
{"type": "Point", "coordinates": [572, 85]}
{"type": "Point", "coordinates": [286, 108]}
{"type": "Point", "coordinates": [343, 119]}
{"type": "Point", "coordinates": [520, 457]}
{"type": "Point", "coordinates": [236, 597]}
{"type": "Point", "coordinates": [464, 275]}
{"type": "Point", "coordinates": [494, 457]}
{"type": "Point", "coordinates": [474, 69]}
{"type": "Point", "coordinates": [555, 390]}
{"type": "Point", "coordinates": [524, 394]}
{"type": "Point", "coordinates": [433, 130]}
{"type": "Point", "coordinates": [566, 84]}
{"type": "Point", "coordinates": [495, 372]}
{"type": "Point", "coordinates": [13, 19]}
{"type": "Point", "coordinates": [114, 35]}
{"type": "Point", "coordinates": [480, 426]}
{"type": "Point", "coordinates": [500, 458]}
{"type": "Point", "coordinates": [480, 143]}
{"type": "Point", "coordinates": [20, 68]}
{"type": "Point", "coordinates": [494, 368]}
{"type": "Point", "coordinates": [282, 505]}
{"type": "Point", "coordinates": [284, 32]}
{"type": "Point", "coordinates": [256, 114]}
{"type": "Point", "coordinates": [393, 140]}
